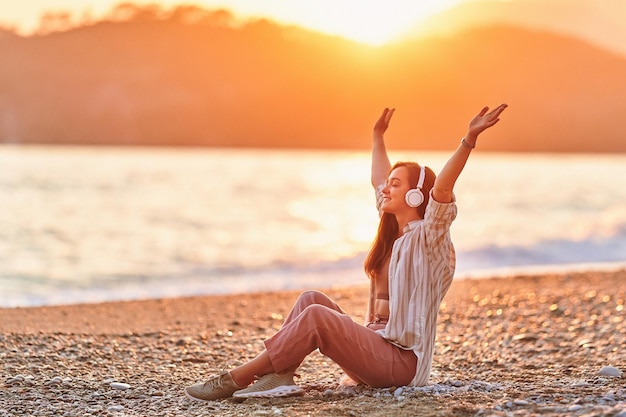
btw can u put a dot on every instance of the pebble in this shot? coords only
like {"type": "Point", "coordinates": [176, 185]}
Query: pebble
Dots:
{"type": "Point", "coordinates": [120, 386]}
{"type": "Point", "coordinates": [54, 381]}
{"type": "Point", "coordinates": [115, 408]}
{"type": "Point", "coordinates": [13, 381]}
{"type": "Point", "coordinates": [526, 337]}
{"type": "Point", "coordinates": [610, 371]}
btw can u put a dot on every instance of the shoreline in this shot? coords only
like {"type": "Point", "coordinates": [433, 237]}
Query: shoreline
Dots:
{"type": "Point", "coordinates": [308, 278]}
{"type": "Point", "coordinates": [523, 345]}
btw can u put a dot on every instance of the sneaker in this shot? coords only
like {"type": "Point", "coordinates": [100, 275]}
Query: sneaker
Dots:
{"type": "Point", "coordinates": [271, 386]}
{"type": "Point", "coordinates": [217, 388]}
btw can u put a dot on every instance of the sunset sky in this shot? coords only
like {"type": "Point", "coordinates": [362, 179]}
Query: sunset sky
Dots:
{"type": "Point", "coordinates": [369, 21]}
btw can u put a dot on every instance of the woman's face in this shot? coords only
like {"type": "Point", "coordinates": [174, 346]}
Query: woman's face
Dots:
{"type": "Point", "coordinates": [395, 191]}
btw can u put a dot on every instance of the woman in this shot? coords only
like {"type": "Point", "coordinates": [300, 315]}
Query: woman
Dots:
{"type": "Point", "coordinates": [410, 266]}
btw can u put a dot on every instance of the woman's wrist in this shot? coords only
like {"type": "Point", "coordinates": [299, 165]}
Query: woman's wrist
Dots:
{"type": "Point", "coordinates": [469, 140]}
{"type": "Point", "coordinates": [378, 140]}
{"type": "Point", "coordinates": [468, 145]}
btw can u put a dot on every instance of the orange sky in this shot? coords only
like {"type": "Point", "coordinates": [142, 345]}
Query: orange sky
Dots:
{"type": "Point", "coordinates": [370, 21]}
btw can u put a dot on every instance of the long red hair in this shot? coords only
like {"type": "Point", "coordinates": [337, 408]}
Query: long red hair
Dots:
{"type": "Point", "coordinates": [388, 229]}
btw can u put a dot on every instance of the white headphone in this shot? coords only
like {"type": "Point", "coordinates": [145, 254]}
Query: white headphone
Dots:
{"type": "Point", "coordinates": [414, 197]}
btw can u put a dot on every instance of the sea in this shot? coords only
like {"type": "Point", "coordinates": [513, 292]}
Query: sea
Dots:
{"type": "Point", "coordinates": [96, 224]}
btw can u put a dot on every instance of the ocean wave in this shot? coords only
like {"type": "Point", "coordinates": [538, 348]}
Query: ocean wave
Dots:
{"type": "Point", "coordinates": [594, 250]}
{"type": "Point", "coordinates": [489, 261]}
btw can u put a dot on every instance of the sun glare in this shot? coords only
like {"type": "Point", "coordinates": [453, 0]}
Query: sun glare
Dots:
{"type": "Point", "coordinates": [374, 22]}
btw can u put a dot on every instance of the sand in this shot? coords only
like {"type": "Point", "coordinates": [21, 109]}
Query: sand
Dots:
{"type": "Point", "coordinates": [527, 345]}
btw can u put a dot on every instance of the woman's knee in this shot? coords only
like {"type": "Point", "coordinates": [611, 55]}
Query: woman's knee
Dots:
{"type": "Point", "coordinates": [317, 303]}
{"type": "Point", "coordinates": [311, 297]}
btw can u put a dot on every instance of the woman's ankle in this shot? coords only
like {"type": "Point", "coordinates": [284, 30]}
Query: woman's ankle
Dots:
{"type": "Point", "coordinates": [240, 380]}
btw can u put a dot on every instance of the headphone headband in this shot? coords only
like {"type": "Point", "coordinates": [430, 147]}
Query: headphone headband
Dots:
{"type": "Point", "coordinates": [414, 197]}
{"type": "Point", "coordinates": [420, 182]}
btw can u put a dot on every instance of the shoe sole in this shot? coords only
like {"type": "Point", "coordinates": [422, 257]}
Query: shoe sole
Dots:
{"type": "Point", "coordinates": [192, 398]}
{"type": "Point", "coordinates": [278, 392]}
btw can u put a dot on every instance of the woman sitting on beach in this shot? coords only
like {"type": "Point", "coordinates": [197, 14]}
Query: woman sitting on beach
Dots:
{"type": "Point", "coordinates": [410, 266]}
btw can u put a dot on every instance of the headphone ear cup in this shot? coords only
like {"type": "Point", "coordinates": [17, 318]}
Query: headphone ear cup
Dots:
{"type": "Point", "coordinates": [414, 197]}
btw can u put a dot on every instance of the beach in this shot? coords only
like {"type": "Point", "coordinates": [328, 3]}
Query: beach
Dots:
{"type": "Point", "coordinates": [507, 346]}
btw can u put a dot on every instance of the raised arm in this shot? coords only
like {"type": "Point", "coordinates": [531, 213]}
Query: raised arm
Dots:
{"type": "Point", "coordinates": [444, 184]}
{"type": "Point", "coordinates": [380, 161]}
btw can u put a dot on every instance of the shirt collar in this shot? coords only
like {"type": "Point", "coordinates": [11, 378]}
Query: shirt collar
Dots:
{"type": "Point", "coordinates": [412, 225]}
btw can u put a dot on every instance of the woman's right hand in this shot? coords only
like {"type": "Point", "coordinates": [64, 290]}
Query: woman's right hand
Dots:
{"type": "Point", "coordinates": [383, 121]}
{"type": "Point", "coordinates": [380, 161]}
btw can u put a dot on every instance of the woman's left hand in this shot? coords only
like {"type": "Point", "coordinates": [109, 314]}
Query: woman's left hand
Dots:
{"type": "Point", "coordinates": [482, 121]}
{"type": "Point", "coordinates": [383, 121]}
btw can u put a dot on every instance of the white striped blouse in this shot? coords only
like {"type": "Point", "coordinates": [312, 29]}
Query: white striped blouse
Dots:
{"type": "Point", "coordinates": [420, 273]}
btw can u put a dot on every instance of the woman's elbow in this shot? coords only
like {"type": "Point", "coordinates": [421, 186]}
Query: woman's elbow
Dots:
{"type": "Point", "coordinates": [442, 194]}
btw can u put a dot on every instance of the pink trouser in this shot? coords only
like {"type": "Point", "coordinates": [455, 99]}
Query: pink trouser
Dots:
{"type": "Point", "coordinates": [317, 322]}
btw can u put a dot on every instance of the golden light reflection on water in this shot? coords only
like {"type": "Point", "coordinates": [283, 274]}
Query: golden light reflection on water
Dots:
{"type": "Point", "coordinates": [332, 204]}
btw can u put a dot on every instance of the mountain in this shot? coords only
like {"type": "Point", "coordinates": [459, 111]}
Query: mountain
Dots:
{"type": "Point", "coordinates": [600, 22]}
{"type": "Point", "coordinates": [194, 80]}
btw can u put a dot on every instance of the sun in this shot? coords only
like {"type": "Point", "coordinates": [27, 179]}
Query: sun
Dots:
{"type": "Point", "coordinates": [373, 22]}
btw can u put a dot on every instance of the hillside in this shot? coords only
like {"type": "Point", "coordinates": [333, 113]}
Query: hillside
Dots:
{"type": "Point", "coordinates": [600, 22]}
{"type": "Point", "coordinates": [202, 82]}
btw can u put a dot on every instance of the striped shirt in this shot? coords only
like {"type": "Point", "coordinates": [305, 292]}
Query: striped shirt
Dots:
{"type": "Point", "coordinates": [420, 273]}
